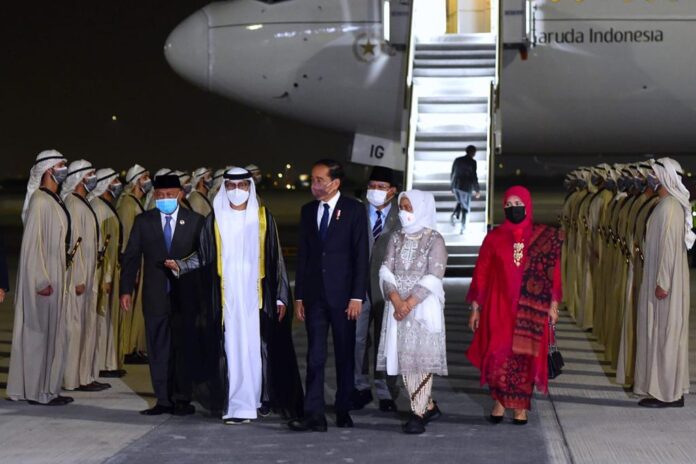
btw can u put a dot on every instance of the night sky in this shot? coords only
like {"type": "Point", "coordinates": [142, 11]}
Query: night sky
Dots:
{"type": "Point", "coordinates": [68, 66]}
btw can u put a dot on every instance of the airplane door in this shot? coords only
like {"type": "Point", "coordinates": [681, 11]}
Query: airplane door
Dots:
{"type": "Point", "coordinates": [518, 23]}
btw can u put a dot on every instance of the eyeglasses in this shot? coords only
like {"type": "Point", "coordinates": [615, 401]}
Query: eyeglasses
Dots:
{"type": "Point", "coordinates": [231, 185]}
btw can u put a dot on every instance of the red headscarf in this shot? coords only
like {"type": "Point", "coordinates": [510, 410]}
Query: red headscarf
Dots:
{"type": "Point", "coordinates": [524, 229]}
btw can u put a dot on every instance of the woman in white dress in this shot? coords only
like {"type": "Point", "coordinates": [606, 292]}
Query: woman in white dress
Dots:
{"type": "Point", "coordinates": [413, 330]}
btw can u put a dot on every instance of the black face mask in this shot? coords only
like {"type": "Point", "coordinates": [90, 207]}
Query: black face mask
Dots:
{"type": "Point", "coordinates": [515, 214]}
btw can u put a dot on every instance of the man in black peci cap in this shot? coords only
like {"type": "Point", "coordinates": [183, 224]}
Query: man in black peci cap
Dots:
{"type": "Point", "coordinates": [166, 232]}
{"type": "Point", "coordinates": [383, 219]}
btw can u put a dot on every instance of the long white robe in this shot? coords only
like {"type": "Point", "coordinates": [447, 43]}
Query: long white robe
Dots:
{"type": "Point", "coordinates": [82, 309]}
{"type": "Point", "coordinates": [39, 336]}
{"type": "Point", "coordinates": [108, 314]}
{"type": "Point", "coordinates": [662, 326]}
{"type": "Point", "coordinates": [132, 336]}
{"type": "Point", "coordinates": [242, 324]}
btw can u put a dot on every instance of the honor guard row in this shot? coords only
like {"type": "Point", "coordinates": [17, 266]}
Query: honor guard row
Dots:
{"type": "Point", "coordinates": [625, 271]}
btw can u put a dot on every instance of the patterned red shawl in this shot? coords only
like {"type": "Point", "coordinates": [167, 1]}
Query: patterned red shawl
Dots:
{"type": "Point", "coordinates": [537, 288]}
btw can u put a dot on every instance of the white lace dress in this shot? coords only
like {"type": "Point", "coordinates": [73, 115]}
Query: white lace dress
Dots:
{"type": "Point", "coordinates": [410, 258]}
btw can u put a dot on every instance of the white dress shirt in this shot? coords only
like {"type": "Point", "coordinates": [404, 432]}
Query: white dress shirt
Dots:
{"type": "Point", "coordinates": [332, 205]}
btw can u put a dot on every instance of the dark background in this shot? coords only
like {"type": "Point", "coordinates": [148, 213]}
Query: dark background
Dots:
{"type": "Point", "coordinates": [68, 66]}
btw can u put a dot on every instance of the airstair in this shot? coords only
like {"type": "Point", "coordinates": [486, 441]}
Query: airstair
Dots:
{"type": "Point", "coordinates": [451, 88]}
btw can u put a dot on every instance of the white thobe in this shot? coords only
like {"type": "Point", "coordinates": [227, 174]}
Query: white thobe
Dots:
{"type": "Point", "coordinates": [242, 324]}
{"type": "Point", "coordinates": [662, 326]}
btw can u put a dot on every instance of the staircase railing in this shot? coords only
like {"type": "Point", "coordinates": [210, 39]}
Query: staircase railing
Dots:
{"type": "Point", "coordinates": [410, 99]}
{"type": "Point", "coordinates": [494, 117]}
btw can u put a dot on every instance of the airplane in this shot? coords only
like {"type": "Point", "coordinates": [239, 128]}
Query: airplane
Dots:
{"type": "Point", "coordinates": [596, 76]}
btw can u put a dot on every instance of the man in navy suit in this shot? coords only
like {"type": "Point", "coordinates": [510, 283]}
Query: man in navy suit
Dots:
{"type": "Point", "coordinates": [166, 232]}
{"type": "Point", "coordinates": [330, 285]}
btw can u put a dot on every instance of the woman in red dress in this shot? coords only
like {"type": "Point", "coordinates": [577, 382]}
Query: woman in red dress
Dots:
{"type": "Point", "coordinates": [514, 293]}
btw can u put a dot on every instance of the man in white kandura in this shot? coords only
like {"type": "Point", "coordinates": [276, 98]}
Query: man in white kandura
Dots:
{"type": "Point", "coordinates": [662, 323]}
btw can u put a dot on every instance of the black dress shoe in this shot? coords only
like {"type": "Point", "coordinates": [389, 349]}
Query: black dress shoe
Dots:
{"type": "Point", "coordinates": [183, 409]}
{"type": "Point", "coordinates": [157, 410]}
{"type": "Point", "coordinates": [135, 358]}
{"type": "Point", "coordinates": [236, 421]}
{"type": "Point", "coordinates": [343, 420]}
{"type": "Point", "coordinates": [313, 424]}
{"type": "Point", "coordinates": [432, 414]}
{"type": "Point", "coordinates": [264, 410]}
{"type": "Point", "coordinates": [102, 384]}
{"type": "Point", "coordinates": [519, 421]}
{"type": "Point", "coordinates": [495, 419]}
{"type": "Point", "coordinates": [387, 406]}
{"type": "Point", "coordinates": [361, 398]}
{"type": "Point", "coordinates": [112, 374]}
{"type": "Point", "coordinates": [655, 403]}
{"type": "Point", "coordinates": [57, 401]}
{"type": "Point", "coordinates": [92, 387]}
{"type": "Point", "coordinates": [414, 426]}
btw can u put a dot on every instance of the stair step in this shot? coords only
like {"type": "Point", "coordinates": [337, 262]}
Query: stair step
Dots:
{"type": "Point", "coordinates": [463, 37]}
{"type": "Point", "coordinates": [453, 86]}
{"type": "Point", "coordinates": [453, 108]}
{"type": "Point", "coordinates": [452, 99]}
{"type": "Point", "coordinates": [454, 54]}
{"type": "Point", "coordinates": [451, 137]}
{"type": "Point", "coordinates": [443, 185]}
{"type": "Point", "coordinates": [430, 46]}
{"type": "Point", "coordinates": [429, 176]}
{"type": "Point", "coordinates": [448, 155]}
{"type": "Point", "coordinates": [473, 216]}
{"type": "Point", "coordinates": [453, 72]}
{"type": "Point", "coordinates": [442, 196]}
{"type": "Point", "coordinates": [445, 209]}
{"type": "Point", "coordinates": [453, 63]}
{"type": "Point", "coordinates": [430, 168]}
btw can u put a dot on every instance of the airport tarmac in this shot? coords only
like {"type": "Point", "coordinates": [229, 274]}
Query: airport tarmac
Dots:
{"type": "Point", "coordinates": [585, 419]}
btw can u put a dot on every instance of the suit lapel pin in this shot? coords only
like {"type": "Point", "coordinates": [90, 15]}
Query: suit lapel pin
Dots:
{"type": "Point", "coordinates": [182, 222]}
{"type": "Point", "coordinates": [338, 214]}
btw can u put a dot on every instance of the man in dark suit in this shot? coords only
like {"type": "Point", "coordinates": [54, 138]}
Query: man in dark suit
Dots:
{"type": "Point", "coordinates": [330, 286]}
{"type": "Point", "coordinates": [383, 219]}
{"type": "Point", "coordinates": [166, 232]}
{"type": "Point", "coordinates": [464, 182]}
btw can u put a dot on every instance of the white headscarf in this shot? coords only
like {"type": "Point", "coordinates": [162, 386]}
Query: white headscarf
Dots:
{"type": "Point", "coordinates": [184, 177]}
{"type": "Point", "coordinates": [586, 175]}
{"type": "Point", "coordinates": [645, 168]}
{"type": "Point", "coordinates": [104, 178]}
{"type": "Point", "coordinates": [132, 176]}
{"type": "Point", "coordinates": [77, 170]}
{"type": "Point", "coordinates": [44, 161]}
{"type": "Point", "coordinates": [423, 204]}
{"type": "Point", "coordinates": [198, 174]}
{"type": "Point", "coordinates": [232, 242]}
{"type": "Point", "coordinates": [668, 173]}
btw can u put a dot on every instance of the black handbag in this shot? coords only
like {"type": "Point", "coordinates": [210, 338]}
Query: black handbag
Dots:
{"type": "Point", "coordinates": [555, 357]}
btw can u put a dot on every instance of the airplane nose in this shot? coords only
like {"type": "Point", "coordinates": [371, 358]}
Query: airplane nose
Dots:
{"type": "Point", "coordinates": [186, 49]}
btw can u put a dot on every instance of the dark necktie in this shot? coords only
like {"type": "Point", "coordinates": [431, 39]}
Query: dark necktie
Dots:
{"type": "Point", "coordinates": [168, 242]}
{"type": "Point", "coordinates": [324, 224]}
{"type": "Point", "coordinates": [377, 229]}
{"type": "Point", "coordinates": [168, 233]}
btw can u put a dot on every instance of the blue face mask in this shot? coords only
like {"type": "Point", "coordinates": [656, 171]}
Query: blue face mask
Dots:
{"type": "Point", "coordinates": [167, 205]}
